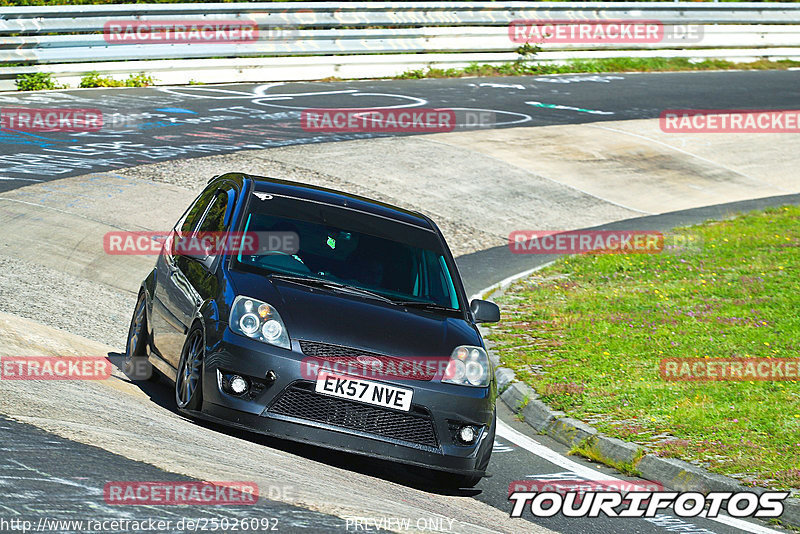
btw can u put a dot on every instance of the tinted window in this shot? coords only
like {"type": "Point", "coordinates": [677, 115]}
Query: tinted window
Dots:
{"type": "Point", "coordinates": [397, 260]}
{"type": "Point", "coordinates": [192, 217]}
{"type": "Point", "coordinates": [215, 217]}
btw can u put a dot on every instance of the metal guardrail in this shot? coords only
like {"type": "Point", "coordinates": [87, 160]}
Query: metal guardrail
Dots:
{"type": "Point", "coordinates": [346, 38]}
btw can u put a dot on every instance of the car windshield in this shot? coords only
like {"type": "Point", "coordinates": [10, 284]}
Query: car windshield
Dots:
{"type": "Point", "coordinates": [343, 246]}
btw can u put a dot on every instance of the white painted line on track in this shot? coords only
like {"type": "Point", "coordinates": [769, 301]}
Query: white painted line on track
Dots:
{"type": "Point", "coordinates": [505, 282]}
{"type": "Point", "coordinates": [536, 448]}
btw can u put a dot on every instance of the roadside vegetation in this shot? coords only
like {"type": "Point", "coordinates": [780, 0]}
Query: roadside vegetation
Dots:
{"type": "Point", "coordinates": [41, 81]}
{"type": "Point", "coordinates": [38, 81]}
{"type": "Point", "coordinates": [588, 334]}
{"type": "Point", "coordinates": [524, 65]}
{"type": "Point", "coordinates": [575, 66]}
{"type": "Point", "coordinates": [94, 79]}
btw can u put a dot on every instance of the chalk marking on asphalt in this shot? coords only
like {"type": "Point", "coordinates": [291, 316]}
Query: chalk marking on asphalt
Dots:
{"type": "Point", "coordinates": [311, 93]}
{"type": "Point", "coordinates": [503, 85]}
{"type": "Point", "coordinates": [502, 447]}
{"type": "Point", "coordinates": [258, 93]}
{"type": "Point", "coordinates": [264, 87]}
{"type": "Point", "coordinates": [536, 448]}
{"type": "Point", "coordinates": [415, 102]}
{"type": "Point", "coordinates": [20, 179]}
{"type": "Point", "coordinates": [568, 108]}
{"type": "Point", "coordinates": [525, 118]}
{"type": "Point", "coordinates": [701, 158]}
{"type": "Point", "coordinates": [49, 477]}
{"type": "Point", "coordinates": [197, 92]}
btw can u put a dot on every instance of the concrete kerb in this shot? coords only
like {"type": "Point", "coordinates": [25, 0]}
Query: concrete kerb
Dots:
{"type": "Point", "coordinates": [673, 474]}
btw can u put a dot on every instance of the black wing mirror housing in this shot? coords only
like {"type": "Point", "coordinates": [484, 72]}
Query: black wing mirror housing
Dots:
{"type": "Point", "coordinates": [484, 311]}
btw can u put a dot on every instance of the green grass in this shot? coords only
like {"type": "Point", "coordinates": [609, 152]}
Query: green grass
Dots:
{"type": "Point", "coordinates": [622, 64]}
{"type": "Point", "coordinates": [588, 334]}
{"type": "Point", "coordinates": [588, 450]}
{"type": "Point", "coordinates": [523, 67]}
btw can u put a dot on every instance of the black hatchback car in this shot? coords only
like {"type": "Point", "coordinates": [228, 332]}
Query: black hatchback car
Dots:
{"type": "Point", "coordinates": [349, 330]}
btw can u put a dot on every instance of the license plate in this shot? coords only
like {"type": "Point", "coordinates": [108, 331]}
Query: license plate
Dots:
{"type": "Point", "coordinates": [364, 391]}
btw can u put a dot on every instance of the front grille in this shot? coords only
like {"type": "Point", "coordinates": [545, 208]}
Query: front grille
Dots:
{"type": "Point", "coordinates": [300, 401]}
{"type": "Point", "coordinates": [388, 368]}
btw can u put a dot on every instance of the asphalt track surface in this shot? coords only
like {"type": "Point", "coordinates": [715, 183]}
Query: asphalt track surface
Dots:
{"type": "Point", "coordinates": [40, 484]}
{"type": "Point", "coordinates": [42, 475]}
{"type": "Point", "coordinates": [148, 125]}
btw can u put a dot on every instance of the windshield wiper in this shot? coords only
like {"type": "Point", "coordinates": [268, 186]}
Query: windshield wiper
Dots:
{"type": "Point", "coordinates": [330, 284]}
{"type": "Point", "coordinates": [424, 305]}
{"type": "Point", "coordinates": [294, 278]}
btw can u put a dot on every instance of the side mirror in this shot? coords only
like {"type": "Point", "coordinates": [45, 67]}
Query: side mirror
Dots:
{"type": "Point", "coordinates": [484, 311]}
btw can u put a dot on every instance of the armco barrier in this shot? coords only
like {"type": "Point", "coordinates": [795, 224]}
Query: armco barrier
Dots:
{"type": "Point", "coordinates": [305, 40]}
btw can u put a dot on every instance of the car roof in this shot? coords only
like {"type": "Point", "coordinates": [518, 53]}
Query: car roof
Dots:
{"type": "Point", "coordinates": [333, 197]}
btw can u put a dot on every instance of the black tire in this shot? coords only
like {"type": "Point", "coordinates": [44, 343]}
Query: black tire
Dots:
{"type": "Point", "coordinates": [136, 365]}
{"type": "Point", "coordinates": [189, 380]}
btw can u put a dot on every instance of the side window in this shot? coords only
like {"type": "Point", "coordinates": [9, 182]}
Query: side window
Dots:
{"type": "Point", "coordinates": [214, 220]}
{"type": "Point", "coordinates": [192, 217]}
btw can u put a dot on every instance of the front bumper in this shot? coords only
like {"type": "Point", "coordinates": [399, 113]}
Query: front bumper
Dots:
{"type": "Point", "coordinates": [423, 437]}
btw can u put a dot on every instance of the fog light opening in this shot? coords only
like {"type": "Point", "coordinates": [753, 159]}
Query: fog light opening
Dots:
{"type": "Point", "coordinates": [467, 434]}
{"type": "Point", "coordinates": [238, 385]}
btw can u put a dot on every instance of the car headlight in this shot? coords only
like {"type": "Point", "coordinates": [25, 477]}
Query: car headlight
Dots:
{"type": "Point", "coordinates": [468, 366]}
{"type": "Point", "coordinates": [258, 320]}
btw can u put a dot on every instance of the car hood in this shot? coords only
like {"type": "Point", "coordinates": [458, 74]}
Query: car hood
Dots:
{"type": "Point", "coordinates": [329, 316]}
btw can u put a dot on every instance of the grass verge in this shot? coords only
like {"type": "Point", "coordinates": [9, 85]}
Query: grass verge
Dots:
{"type": "Point", "coordinates": [94, 79]}
{"type": "Point", "coordinates": [622, 64]}
{"type": "Point", "coordinates": [588, 334]}
{"type": "Point", "coordinates": [523, 67]}
{"type": "Point", "coordinates": [587, 450]}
